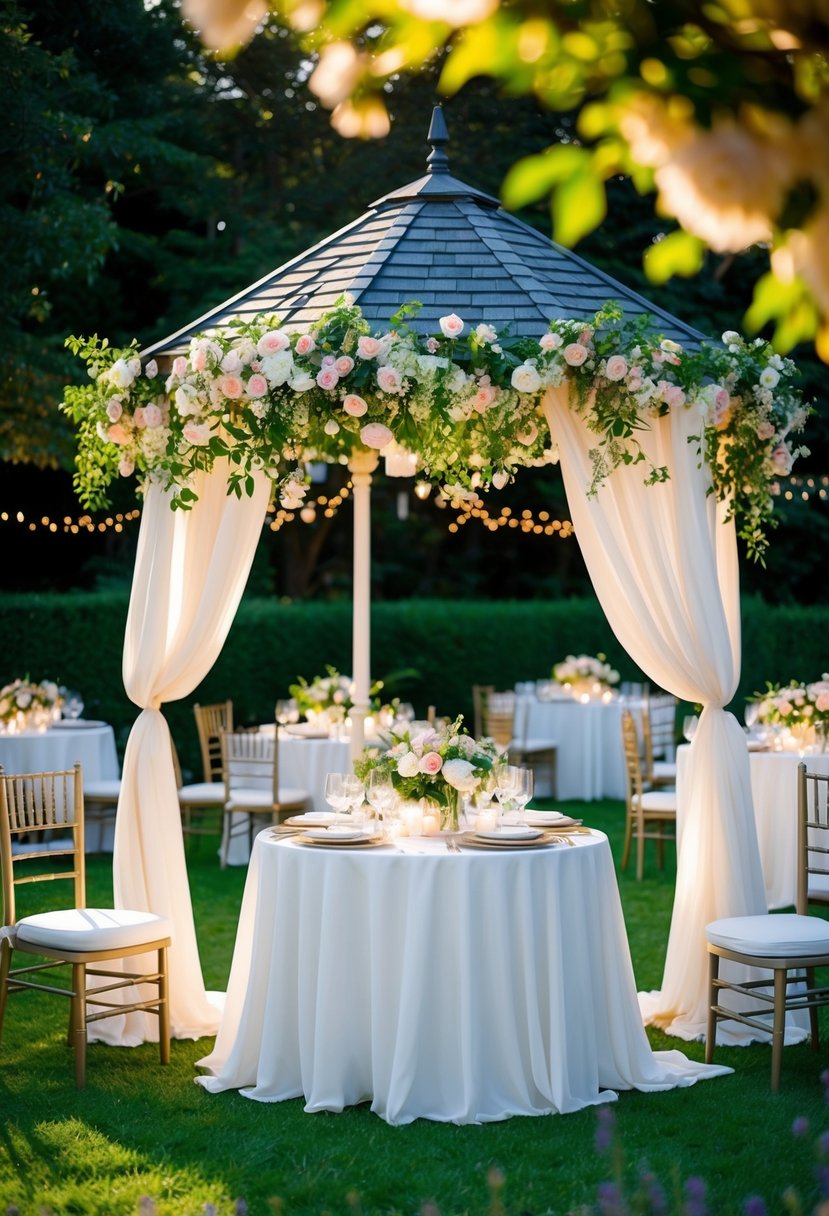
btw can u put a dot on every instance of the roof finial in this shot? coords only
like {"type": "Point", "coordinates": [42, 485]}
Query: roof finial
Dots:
{"type": "Point", "coordinates": [437, 161]}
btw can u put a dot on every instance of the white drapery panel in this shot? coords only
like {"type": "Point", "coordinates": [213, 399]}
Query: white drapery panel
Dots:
{"type": "Point", "coordinates": [664, 566]}
{"type": "Point", "coordinates": [190, 571]}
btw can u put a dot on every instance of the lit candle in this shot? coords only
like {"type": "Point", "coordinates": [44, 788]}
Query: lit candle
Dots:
{"type": "Point", "coordinates": [431, 824]}
{"type": "Point", "coordinates": [485, 821]}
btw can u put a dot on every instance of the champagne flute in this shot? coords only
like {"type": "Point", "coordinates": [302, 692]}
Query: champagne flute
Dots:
{"type": "Point", "coordinates": [72, 705]}
{"type": "Point", "coordinates": [287, 711]}
{"type": "Point", "coordinates": [752, 713]}
{"type": "Point", "coordinates": [381, 794]}
{"type": "Point", "coordinates": [522, 791]}
{"type": "Point", "coordinates": [354, 791]}
{"type": "Point", "coordinates": [336, 795]}
{"type": "Point", "coordinates": [504, 788]}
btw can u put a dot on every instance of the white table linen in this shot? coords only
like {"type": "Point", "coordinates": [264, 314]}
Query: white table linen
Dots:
{"type": "Point", "coordinates": [463, 988]}
{"type": "Point", "coordinates": [33, 751]}
{"type": "Point", "coordinates": [774, 793]}
{"type": "Point", "coordinates": [590, 760]}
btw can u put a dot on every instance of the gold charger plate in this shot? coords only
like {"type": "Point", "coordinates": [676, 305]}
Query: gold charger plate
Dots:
{"type": "Point", "coordinates": [342, 842]}
{"type": "Point", "coordinates": [469, 840]}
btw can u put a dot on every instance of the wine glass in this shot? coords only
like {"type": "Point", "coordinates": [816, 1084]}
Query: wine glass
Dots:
{"type": "Point", "coordinates": [381, 794]}
{"type": "Point", "coordinates": [336, 794]}
{"type": "Point", "coordinates": [354, 791]}
{"type": "Point", "coordinates": [72, 704]}
{"type": "Point", "coordinates": [505, 788]}
{"type": "Point", "coordinates": [287, 711]}
{"type": "Point", "coordinates": [689, 726]}
{"type": "Point", "coordinates": [406, 711]}
{"type": "Point", "coordinates": [522, 791]}
{"type": "Point", "coordinates": [752, 713]}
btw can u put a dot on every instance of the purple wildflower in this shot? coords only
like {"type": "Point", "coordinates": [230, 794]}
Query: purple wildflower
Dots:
{"type": "Point", "coordinates": [695, 1197]}
{"type": "Point", "coordinates": [754, 1205]}
{"type": "Point", "coordinates": [605, 1129]}
{"type": "Point", "coordinates": [800, 1127]}
{"type": "Point", "coordinates": [823, 1143]}
{"type": "Point", "coordinates": [611, 1199]}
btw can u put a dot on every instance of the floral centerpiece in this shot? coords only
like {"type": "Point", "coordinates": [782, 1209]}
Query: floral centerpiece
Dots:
{"type": "Point", "coordinates": [438, 766]}
{"type": "Point", "coordinates": [25, 704]}
{"type": "Point", "coordinates": [331, 696]}
{"type": "Point", "coordinates": [802, 710]}
{"type": "Point", "coordinates": [467, 400]}
{"type": "Point", "coordinates": [585, 676]}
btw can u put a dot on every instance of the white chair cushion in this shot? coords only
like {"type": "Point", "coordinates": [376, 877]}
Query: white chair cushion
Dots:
{"type": "Point", "coordinates": [658, 800]}
{"type": "Point", "coordinates": [202, 793]}
{"type": "Point", "coordinates": [91, 929]}
{"type": "Point", "coordinates": [775, 936]}
{"type": "Point", "coordinates": [245, 799]}
{"type": "Point", "coordinates": [102, 789]}
{"type": "Point", "coordinates": [535, 745]}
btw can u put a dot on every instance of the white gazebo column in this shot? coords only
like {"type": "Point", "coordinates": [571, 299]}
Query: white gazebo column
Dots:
{"type": "Point", "coordinates": [362, 464]}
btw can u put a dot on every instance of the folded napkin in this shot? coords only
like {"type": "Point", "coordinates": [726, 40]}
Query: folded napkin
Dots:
{"type": "Point", "coordinates": [550, 819]}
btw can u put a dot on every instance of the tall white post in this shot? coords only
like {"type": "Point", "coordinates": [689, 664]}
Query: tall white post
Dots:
{"type": "Point", "coordinates": [362, 464]}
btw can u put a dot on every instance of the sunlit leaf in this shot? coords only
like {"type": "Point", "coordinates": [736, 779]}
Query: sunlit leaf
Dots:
{"type": "Point", "coordinates": [579, 205]}
{"type": "Point", "coordinates": [534, 176]}
{"type": "Point", "coordinates": [679, 253]}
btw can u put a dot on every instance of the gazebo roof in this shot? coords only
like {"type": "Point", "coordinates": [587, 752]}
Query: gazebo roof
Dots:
{"type": "Point", "coordinates": [446, 244]}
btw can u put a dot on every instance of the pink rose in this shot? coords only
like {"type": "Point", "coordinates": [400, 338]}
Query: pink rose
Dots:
{"type": "Point", "coordinates": [151, 370]}
{"type": "Point", "coordinates": [484, 398]}
{"type": "Point", "coordinates": [231, 386]}
{"type": "Point", "coordinates": [138, 417]}
{"type": "Point", "coordinates": [272, 342]}
{"type": "Point", "coordinates": [199, 359]}
{"type": "Point", "coordinates": [765, 430]}
{"type": "Point", "coordinates": [118, 434]}
{"type": "Point", "coordinates": [328, 360]}
{"type": "Point", "coordinates": [152, 415]}
{"type": "Point", "coordinates": [550, 341]}
{"type": "Point", "coordinates": [344, 364]}
{"type": "Point", "coordinates": [575, 354]}
{"type": "Point", "coordinates": [368, 348]}
{"type": "Point", "coordinates": [126, 467]}
{"type": "Point", "coordinates": [375, 435]}
{"type": "Point", "coordinates": [179, 367]}
{"type": "Point", "coordinates": [354, 405]}
{"type": "Point", "coordinates": [822, 702]}
{"type": "Point", "coordinates": [197, 433]}
{"type": "Point", "coordinates": [388, 378]}
{"type": "Point", "coordinates": [785, 707]}
{"type": "Point", "coordinates": [256, 386]}
{"type": "Point", "coordinates": [781, 460]}
{"type": "Point", "coordinates": [617, 367]}
{"type": "Point", "coordinates": [327, 377]}
{"type": "Point", "coordinates": [673, 396]}
{"type": "Point", "coordinates": [432, 345]}
{"type": "Point", "coordinates": [585, 336]}
{"type": "Point", "coordinates": [431, 763]}
{"type": "Point", "coordinates": [451, 326]}
{"type": "Point", "coordinates": [304, 344]}
{"type": "Point", "coordinates": [114, 410]}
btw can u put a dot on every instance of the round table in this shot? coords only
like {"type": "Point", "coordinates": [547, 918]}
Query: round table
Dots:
{"type": "Point", "coordinates": [462, 988]}
{"type": "Point", "coordinates": [590, 761]}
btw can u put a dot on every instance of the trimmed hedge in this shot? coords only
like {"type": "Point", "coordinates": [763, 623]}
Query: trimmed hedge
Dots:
{"type": "Point", "coordinates": [77, 639]}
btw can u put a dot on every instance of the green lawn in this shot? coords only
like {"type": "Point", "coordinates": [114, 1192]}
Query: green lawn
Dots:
{"type": "Point", "coordinates": [142, 1130]}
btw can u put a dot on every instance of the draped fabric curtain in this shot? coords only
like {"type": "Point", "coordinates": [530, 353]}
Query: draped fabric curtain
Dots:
{"type": "Point", "coordinates": [190, 571]}
{"type": "Point", "coordinates": [664, 566]}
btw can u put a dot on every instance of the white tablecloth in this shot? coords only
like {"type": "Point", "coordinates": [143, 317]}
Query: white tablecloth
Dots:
{"type": "Point", "coordinates": [774, 793]}
{"type": "Point", "coordinates": [59, 748]}
{"type": "Point", "coordinates": [461, 988]}
{"type": "Point", "coordinates": [590, 760]}
{"type": "Point", "coordinates": [304, 763]}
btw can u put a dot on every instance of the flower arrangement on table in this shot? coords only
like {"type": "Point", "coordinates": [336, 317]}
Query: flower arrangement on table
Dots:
{"type": "Point", "coordinates": [437, 766]}
{"type": "Point", "coordinates": [330, 697]}
{"type": "Point", "coordinates": [798, 714]}
{"type": "Point", "coordinates": [25, 704]}
{"type": "Point", "coordinates": [467, 400]}
{"type": "Point", "coordinates": [584, 676]}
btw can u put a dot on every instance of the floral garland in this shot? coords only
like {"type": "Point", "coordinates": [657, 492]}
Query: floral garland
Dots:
{"type": "Point", "coordinates": [25, 696]}
{"type": "Point", "coordinates": [468, 401]}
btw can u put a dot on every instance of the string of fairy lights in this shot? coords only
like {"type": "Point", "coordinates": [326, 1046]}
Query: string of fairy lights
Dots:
{"type": "Point", "coordinates": [326, 506]}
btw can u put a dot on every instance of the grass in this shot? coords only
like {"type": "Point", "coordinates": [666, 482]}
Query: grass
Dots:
{"type": "Point", "coordinates": [142, 1130]}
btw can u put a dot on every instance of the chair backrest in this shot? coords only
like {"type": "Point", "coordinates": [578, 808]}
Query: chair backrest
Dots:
{"type": "Point", "coordinates": [479, 694]}
{"type": "Point", "coordinates": [658, 728]}
{"type": "Point", "coordinates": [250, 760]}
{"type": "Point", "coordinates": [211, 720]}
{"type": "Point", "coordinates": [498, 716]}
{"type": "Point", "coordinates": [812, 831]}
{"type": "Point", "coordinates": [32, 805]}
{"type": "Point", "coordinates": [633, 759]}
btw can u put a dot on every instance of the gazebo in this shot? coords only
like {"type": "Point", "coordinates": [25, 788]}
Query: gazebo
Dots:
{"type": "Point", "coordinates": [662, 556]}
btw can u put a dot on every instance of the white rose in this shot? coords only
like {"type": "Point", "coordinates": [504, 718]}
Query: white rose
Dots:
{"type": "Point", "coordinates": [451, 326]}
{"type": "Point", "coordinates": [526, 378]}
{"type": "Point", "coordinates": [278, 368]}
{"type": "Point", "coordinates": [460, 774]}
{"type": "Point", "coordinates": [769, 377]}
{"type": "Point", "coordinates": [121, 374]}
{"type": "Point", "coordinates": [301, 384]}
{"type": "Point", "coordinates": [730, 336]}
{"type": "Point", "coordinates": [408, 765]}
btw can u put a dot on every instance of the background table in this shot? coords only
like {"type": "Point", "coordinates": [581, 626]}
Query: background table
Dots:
{"type": "Point", "coordinates": [59, 747]}
{"type": "Point", "coordinates": [774, 794]}
{"type": "Point", "coordinates": [590, 761]}
{"type": "Point", "coordinates": [304, 763]}
{"type": "Point", "coordinates": [463, 988]}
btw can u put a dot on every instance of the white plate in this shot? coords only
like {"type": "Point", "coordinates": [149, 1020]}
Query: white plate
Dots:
{"type": "Point", "coordinates": [550, 819]}
{"type": "Point", "coordinates": [510, 832]}
{"type": "Point", "coordinates": [311, 818]}
{"type": "Point", "coordinates": [307, 730]}
{"type": "Point", "coordinates": [334, 833]}
{"type": "Point", "coordinates": [77, 724]}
